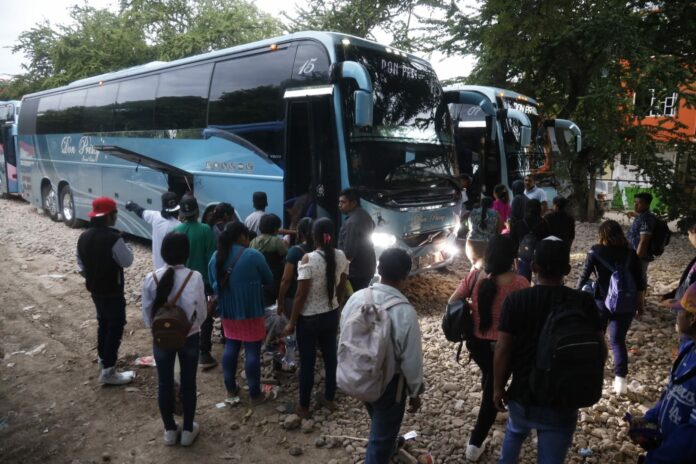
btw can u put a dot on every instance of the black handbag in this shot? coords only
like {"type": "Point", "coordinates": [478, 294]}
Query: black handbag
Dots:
{"type": "Point", "coordinates": [457, 322]}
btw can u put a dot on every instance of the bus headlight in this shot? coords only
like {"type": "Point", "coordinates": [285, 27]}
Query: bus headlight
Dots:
{"type": "Point", "coordinates": [382, 240]}
{"type": "Point", "coordinates": [451, 250]}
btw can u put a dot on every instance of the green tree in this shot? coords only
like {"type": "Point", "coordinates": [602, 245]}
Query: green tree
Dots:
{"type": "Point", "coordinates": [584, 60]}
{"type": "Point", "coordinates": [362, 18]}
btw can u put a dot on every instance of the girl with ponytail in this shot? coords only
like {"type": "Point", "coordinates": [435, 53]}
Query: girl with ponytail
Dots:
{"type": "Point", "coordinates": [238, 275]}
{"type": "Point", "coordinates": [158, 288]}
{"type": "Point", "coordinates": [321, 284]}
{"type": "Point", "coordinates": [487, 289]}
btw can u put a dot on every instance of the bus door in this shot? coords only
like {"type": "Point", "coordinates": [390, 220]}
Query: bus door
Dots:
{"type": "Point", "coordinates": [311, 156]}
{"type": "Point", "coordinates": [8, 164]}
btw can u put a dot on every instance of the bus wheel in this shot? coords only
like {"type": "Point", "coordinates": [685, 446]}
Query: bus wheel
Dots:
{"type": "Point", "coordinates": [68, 208]}
{"type": "Point", "coordinates": [50, 202]}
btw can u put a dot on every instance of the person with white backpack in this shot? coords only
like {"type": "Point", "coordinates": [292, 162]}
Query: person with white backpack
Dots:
{"type": "Point", "coordinates": [380, 357]}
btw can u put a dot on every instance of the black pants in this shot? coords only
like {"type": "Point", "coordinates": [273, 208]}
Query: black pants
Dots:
{"type": "Point", "coordinates": [111, 316]}
{"type": "Point", "coordinates": [358, 283]}
{"type": "Point", "coordinates": [317, 331]}
{"type": "Point", "coordinates": [207, 334]}
{"type": "Point", "coordinates": [482, 354]}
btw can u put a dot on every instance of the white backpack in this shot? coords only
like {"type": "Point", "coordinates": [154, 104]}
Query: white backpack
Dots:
{"type": "Point", "coordinates": [366, 358]}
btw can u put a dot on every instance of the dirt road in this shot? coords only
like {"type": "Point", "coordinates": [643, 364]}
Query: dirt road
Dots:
{"type": "Point", "coordinates": [53, 410]}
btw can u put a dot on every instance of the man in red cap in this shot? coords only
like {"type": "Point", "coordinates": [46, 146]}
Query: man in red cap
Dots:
{"type": "Point", "coordinates": [101, 255]}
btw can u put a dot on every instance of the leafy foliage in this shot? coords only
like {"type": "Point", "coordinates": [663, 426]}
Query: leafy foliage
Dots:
{"type": "Point", "coordinates": [585, 60]}
{"type": "Point", "coordinates": [99, 41]}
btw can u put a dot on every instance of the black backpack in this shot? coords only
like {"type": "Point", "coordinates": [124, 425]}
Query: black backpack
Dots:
{"type": "Point", "coordinates": [660, 238]}
{"type": "Point", "coordinates": [457, 322]}
{"type": "Point", "coordinates": [569, 366]}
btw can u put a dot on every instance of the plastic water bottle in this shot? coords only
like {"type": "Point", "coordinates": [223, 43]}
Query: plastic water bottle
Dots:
{"type": "Point", "coordinates": [289, 358]}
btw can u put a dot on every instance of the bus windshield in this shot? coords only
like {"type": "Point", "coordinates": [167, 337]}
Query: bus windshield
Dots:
{"type": "Point", "coordinates": [410, 142]}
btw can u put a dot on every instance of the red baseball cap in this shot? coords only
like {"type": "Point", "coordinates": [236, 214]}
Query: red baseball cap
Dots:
{"type": "Point", "coordinates": [102, 206]}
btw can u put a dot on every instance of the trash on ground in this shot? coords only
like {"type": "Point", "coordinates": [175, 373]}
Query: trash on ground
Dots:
{"type": "Point", "coordinates": [28, 308]}
{"type": "Point", "coordinates": [220, 405]}
{"type": "Point", "coordinates": [145, 361]}
{"type": "Point", "coordinates": [36, 350]}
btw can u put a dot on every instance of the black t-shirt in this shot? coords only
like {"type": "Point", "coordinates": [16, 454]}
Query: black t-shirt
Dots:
{"type": "Point", "coordinates": [562, 225]}
{"type": "Point", "coordinates": [523, 316]}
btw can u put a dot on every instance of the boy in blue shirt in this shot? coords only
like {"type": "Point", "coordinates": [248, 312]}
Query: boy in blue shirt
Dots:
{"type": "Point", "coordinates": [675, 412]}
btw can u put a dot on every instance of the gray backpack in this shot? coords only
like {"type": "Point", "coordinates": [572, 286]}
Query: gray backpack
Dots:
{"type": "Point", "coordinates": [366, 358]}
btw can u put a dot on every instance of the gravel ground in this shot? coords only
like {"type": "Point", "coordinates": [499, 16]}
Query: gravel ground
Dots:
{"type": "Point", "coordinates": [51, 408]}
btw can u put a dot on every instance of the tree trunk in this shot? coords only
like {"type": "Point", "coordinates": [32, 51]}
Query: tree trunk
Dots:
{"type": "Point", "coordinates": [591, 209]}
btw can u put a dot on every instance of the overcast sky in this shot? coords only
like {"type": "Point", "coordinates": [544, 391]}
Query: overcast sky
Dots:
{"type": "Point", "coordinates": [21, 15]}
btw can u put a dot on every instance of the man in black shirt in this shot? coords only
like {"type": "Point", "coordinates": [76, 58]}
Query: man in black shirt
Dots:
{"type": "Point", "coordinates": [561, 224]}
{"type": "Point", "coordinates": [355, 240]}
{"type": "Point", "coordinates": [522, 318]}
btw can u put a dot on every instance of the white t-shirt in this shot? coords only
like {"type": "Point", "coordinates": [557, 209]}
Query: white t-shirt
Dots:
{"type": "Point", "coordinates": [253, 220]}
{"type": "Point", "coordinates": [315, 270]}
{"type": "Point", "coordinates": [536, 194]}
{"type": "Point", "coordinates": [160, 228]}
{"type": "Point", "coordinates": [192, 299]}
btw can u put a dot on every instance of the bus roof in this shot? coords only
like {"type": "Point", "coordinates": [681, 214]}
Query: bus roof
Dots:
{"type": "Point", "coordinates": [493, 92]}
{"type": "Point", "coordinates": [328, 39]}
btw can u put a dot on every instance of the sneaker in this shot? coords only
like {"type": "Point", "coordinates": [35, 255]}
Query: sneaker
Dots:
{"type": "Point", "coordinates": [187, 438]}
{"type": "Point", "coordinates": [171, 436]}
{"type": "Point", "coordinates": [110, 376]}
{"type": "Point", "coordinates": [206, 361]}
{"type": "Point", "coordinates": [473, 453]}
{"type": "Point", "coordinates": [620, 386]}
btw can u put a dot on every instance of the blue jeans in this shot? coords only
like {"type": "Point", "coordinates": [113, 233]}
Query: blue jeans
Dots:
{"type": "Point", "coordinates": [312, 331]}
{"type": "Point", "coordinates": [111, 317]}
{"type": "Point", "coordinates": [252, 365]}
{"type": "Point", "coordinates": [618, 328]}
{"type": "Point", "coordinates": [386, 415]}
{"type": "Point", "coordinates": [188, 362]}
{"type": "Point", "coordinates": [554, 432]}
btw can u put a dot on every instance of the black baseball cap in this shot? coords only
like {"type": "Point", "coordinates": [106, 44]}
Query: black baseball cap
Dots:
{"type": "Point", "coordinates": [189, 206]}
{"type": "Point", "coordinates": [552, 256]}
{"type": "Point", "coordinates": [170, 202]}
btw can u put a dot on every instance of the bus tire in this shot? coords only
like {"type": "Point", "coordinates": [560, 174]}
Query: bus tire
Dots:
{"type": "Point", "coordinates": [67, 207]}
{"type": "Point", "coordinates": [49, 200]}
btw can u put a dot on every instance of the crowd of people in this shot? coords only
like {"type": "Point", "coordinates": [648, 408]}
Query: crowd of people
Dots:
{"type": "Point", "coordinates": [538, 344]}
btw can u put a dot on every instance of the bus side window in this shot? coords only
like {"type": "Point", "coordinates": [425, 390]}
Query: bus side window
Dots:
{"type": "Point", "coordinates": [48, 120]}
{"type": "Point", "coordinates": [135, 104]}
{"type": "Point", "coordinates": [182, 98]}
{"type": "Point", "coordinates": [311, 65]}
{"type": "Point", "coordinates": [98, 115]}
{"type": "Point", "coordinates": [27, 117]}
{"type": "Point", "coordinates": [71, 107]}
{"type": "Point", "coordinates": [246, 98]}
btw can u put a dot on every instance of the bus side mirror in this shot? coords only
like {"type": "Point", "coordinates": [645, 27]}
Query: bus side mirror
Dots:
{"type": "Point", "coordinates": [570, 126]}
{"type": "Point", "coordinates": [363, 108]}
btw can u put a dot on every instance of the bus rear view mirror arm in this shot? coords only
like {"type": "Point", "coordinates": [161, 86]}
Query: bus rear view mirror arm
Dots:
{"type": "Point", "coordinates": [476, 99]}
{"type": "Point", "coordinates": [364, 98]}
{"type": "Point", "coordinates": [567, 125]}
{"type": "Point", "coordinates": [523, 120]}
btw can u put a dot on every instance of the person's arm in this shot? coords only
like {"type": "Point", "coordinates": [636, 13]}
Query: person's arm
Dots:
{"type": "Point", "coordinates": [264, 269]}
{"type": "Point", "coordinates": [121, 253]}
{"type": "Point", "coordinates": [462, 290]}
{"type": "Point", "coordinates": [501, 368]}
{"type": "Point", "coordinates": [408, 338]}
{"type": "Point", "coordinates": [587, 269]}
{"type": "Point", "coordinates": [303, 287]}
{"type": "Point", "coordinates": [133, 207]}
{"type": "Point", "coordinates": [285, 282]}
{"type": "Point", "coordinates": [212, 273]}
{"type": "Point", "coordinates": [678, 445]}
{"type": "Point", "coordinates": [341, 288]}
{"type": "Point", "coordinates": [147, 298]}
{"type": "Point", "coordinates": [643, 245]}
{"type": "Point", "coordinates": [349, 240]}
{"type": "Point", "coordinates": [201, 304]}
{"type": "Point", "coordinates": [80, 263]}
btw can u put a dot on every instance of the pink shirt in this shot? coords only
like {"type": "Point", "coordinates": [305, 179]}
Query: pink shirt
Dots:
{"type": "Point", "coordinates": [517, 283]}
{"type": "Point", "coordinates": [503, 210]}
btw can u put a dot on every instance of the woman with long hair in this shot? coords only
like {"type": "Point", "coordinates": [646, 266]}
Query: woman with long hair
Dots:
{"type": "Point", "coordinates": [613, 252]}
{"type": "Point", "coordinates": [484, 223]}
{"type": "Point", "coordinates": [288, 283]}
{"type": "Point", "coordinates": [238, 275]}
{"type": "Point", "coordinates": [321, 284]}
{"type": "Point", "coordinates": [487, 289]}
{"type": "Point", "coordinates": [220, 216]}
{"type": "Point", "coordinates": [159, 287]}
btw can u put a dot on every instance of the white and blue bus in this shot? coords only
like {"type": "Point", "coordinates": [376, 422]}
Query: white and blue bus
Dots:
{"type": "Point", "coordinates": [311, 112]}
{"type": "Point", "coordinates": [9, 174]}
{"type": "Point", "coordinates": [500, 137]}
